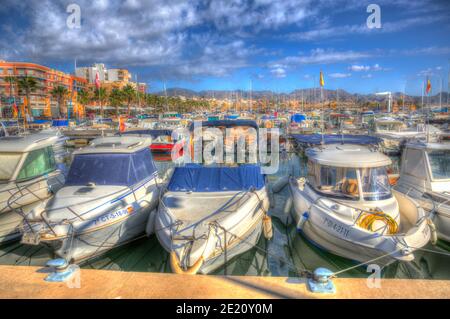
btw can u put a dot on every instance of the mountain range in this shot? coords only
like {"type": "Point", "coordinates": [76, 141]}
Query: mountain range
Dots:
{"type": "Point", "coordinates": [307, 94]}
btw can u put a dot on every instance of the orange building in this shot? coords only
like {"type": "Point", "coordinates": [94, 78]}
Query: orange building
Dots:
{"type": "Point", "coordinates": [47, 78]}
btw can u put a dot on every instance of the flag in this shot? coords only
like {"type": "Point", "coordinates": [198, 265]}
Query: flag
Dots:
{"type": "Point", "coordinates": [122, 126]}
{"type": "Point", "coordinates": [428, 89]}
{"type": "Point", "coordinates": [15, 110]}
{"type": "Point", "coordinates": [97, 80]}
{"type": "Point", "coordinates": [322, 82]}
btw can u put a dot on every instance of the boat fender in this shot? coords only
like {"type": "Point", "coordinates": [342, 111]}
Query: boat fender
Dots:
{"type": "Point", "coordinates": [177, 269]}
{"type": "Point", "coordinates": [280, 184]}
{"type": "Point", "coordinates": [302, 220]}
{"type": "Point", "coordinates": [267, 227]}
{"type": "Point", "coordinates": [433, 231]}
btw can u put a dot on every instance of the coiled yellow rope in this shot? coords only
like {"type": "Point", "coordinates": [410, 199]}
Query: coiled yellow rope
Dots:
{"type": "Point", "coordinates": [367, 220]}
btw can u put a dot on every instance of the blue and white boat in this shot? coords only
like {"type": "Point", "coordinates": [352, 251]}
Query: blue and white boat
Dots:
{"type": "Point", "coordinates": [209, 215]}
{"type": "Point", "coordinates": [110, 190]}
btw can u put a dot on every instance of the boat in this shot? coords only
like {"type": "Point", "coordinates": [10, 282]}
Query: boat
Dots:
{"type": "Point", "coordinates": [208, 215]}
{"type": "Point", "coordinates": [161, 139]}
{"type": "Point", "coordinates": [395, 133]}
{"type": "Point", "coordinates": [28, 178]}
{"type": "Point", "coordinates": [109, 192]}
{"type": "Point", "coordinates": [212, 212]}
{"type": "Point", "coordinates": [346, 206]}
{"type": "Point", "coordinates": [425, 176]}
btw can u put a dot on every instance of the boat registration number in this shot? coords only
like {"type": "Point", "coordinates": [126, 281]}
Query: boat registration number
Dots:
{"type": "Point", "coordinates": [30, 239]}
{"type": "Point", "coordinates": [336, 227]}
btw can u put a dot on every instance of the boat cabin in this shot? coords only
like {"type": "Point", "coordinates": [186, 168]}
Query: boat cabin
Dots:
{"type": "Point", "coordinates": [27, 157]}
{"type": "Point", "coordinates": [112, 161]}
{"type": "Point", "coordinates": [426, 166]}
{"type": "Point", "coordinates": [352, 172]}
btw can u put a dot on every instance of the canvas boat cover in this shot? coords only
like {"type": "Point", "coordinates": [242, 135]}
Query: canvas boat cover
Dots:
{"type": "Point", "coordinates": [198, 178]}
{"type": "Point", "coordinates": [298, 118]}
{"type": "Point", "coordinates": [316, 139]}
{"type": "Point", "coordinates": [118, 169]}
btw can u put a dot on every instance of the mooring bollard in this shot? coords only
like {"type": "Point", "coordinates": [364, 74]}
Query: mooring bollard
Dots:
{"type": "Point", "coordinates": [321, 281]}
{"type": "Point", "coordinates": [62, 270]}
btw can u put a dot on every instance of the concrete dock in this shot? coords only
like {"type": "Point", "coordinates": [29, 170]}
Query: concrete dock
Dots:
{"type": "Point", "coordinates": [28, 282]}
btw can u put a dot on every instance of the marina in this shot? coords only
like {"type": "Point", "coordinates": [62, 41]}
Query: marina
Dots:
{"type": "Point", "coordinates": [225, 149]}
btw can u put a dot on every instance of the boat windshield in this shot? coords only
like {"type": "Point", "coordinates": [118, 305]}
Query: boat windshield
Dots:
{"type": "Point", "coordinates": [375, 183]}
{"type": "Point", "coordinates": [440, 163]}
{"type": "Point", "coordinates": [336, 182]}
{"type": "Point", "coordinates": [110, 169]}
{"type": "Point", "coordinates": [9, 162]}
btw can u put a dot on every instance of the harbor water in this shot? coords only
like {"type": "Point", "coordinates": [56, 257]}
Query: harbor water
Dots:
{"type": "Point", "coordinates": [287, 254]}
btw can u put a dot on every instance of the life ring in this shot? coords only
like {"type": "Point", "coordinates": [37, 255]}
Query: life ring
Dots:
{"type": "Point", "coordinates": [177, 269]}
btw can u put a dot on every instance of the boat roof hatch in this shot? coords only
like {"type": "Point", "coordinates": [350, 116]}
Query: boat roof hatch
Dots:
{"type": "Point", "coordinates": [349, 155]}
{"type": "Point", "coordinates": [116, 144]}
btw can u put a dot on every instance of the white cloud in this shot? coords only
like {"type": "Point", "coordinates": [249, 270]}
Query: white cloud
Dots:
{"type": "Point", "coordinates": [278, 71]}
{"type": "Point", "coordinates": [322, 56]}
{"type": "Point", "coordinates": [339, 75]}
{"type": "Point", "coordinates": [366, 68]}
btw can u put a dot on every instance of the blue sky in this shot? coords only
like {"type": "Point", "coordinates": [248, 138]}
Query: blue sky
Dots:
{"type": "Point", "coordinates": [237, 44]}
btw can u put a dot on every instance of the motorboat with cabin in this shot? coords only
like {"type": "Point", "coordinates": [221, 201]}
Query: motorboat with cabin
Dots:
{"type": "Point", "coordinates": [425, 176]}
{"type": "Point", "coordinates": [395, 133]}
{"type": "Point", "coordinates": [29, 176]}
{"type": "Point", "coordinates": [346, 206]}
{"type": "Point", "coordinates": [109, 192]}
{"type": "Point", "coordinates": [212, 211]}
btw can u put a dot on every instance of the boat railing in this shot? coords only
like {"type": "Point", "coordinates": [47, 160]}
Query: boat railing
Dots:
{"type": "Point", "coordinates": [425, 196]}
{"type": "Point", "coordinates": [22, 190]}
{"type": "Point", "coordinates": [43, 215]}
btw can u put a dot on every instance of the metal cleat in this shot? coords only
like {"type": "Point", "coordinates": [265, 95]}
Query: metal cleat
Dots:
{"type": "Point", "coordinates": [62, 270]}
{"type": "Point", "coordinates": [321, 282]}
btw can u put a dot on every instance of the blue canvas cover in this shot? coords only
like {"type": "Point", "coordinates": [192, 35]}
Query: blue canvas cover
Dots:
{"type": "Point", "coordinates": [316, 139]}
{"type": "Point", "coordinates": [59, 123]}
{"type": "Point", "coordinates": [119, 169]}
{"type": "Point", "coordinates": [298, 118]}
{"type": "Point", "coordinates": [197, 178]}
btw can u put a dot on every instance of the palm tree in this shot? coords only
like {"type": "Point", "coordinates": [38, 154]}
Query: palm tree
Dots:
{"type": "Point", "coordinates": [102, 96]}
{"type": "Point", "coordinates": [27, 84]}
{"type": "Point", "coordinates": [116, 98]}
{"type": "Point", "coordinates": [83, 97]}
{"type": "Point", "coordinates": [129, 95]}
{"type": "Point", "coordinates": [11, 80]}
{"type": "Point", "coordinates": [60, 94]}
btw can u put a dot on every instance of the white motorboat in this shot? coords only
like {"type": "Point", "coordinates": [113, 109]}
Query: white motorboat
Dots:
{"type": "Point", "coordinates": [208, 215]}
{"type": "Point", "coordinates": [110, 190]}
{"type": "Point", "coordinates": [28, 178]}
{"type": "Point", "coordinates": [425, 176]}
{"type": "Point", "coordinates": [346, 206]}
{"type": "Point", "coordinates": [395, 133]}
